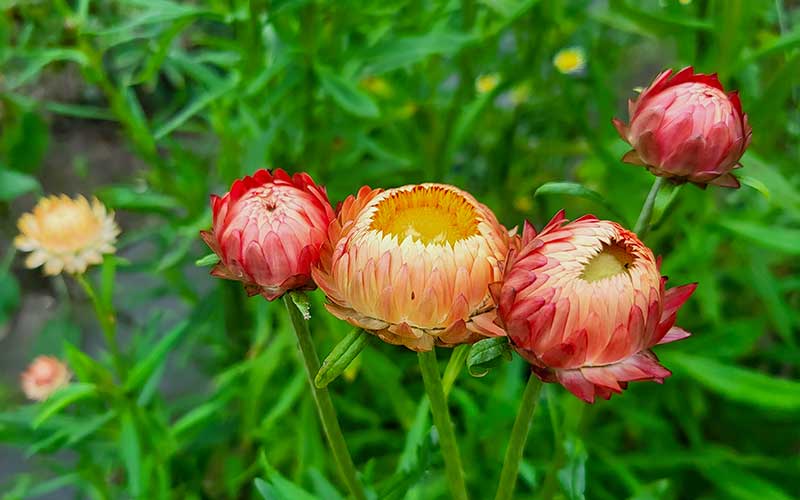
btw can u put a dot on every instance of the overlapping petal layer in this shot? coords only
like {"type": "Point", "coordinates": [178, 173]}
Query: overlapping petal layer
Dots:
{"type": "Point", "coordinates": [267, 231]}
{"type": "Point", "coordinates": [686, 128]}
{"type": "Point", "coordinates": [584, 302]}
{"type": "Point", "coordinates": [66, 234]}
{"type": "Point", "coordinates": [412, 264]}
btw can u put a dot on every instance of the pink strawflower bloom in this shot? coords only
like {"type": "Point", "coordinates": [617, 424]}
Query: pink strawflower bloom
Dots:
{"type": "Point", "coordinates": [44, 376]}
{"type": "Point", "coordinates": [412, 264]}
{"type": "Point", "coordinates": [584, 302]}
{"type": "Point", "coordinates": [267, 232]}
{"type": "Point", "coordinates": [686, 128]}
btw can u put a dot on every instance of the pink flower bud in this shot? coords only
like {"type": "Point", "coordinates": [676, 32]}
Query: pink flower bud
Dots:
{"type": "Point", "coordinates": [44, 376]}
{"type": "Point", "coordinates": [267, 232]}
{"type": "Point", "coordinates": [584, 302]}
{"type": "Point", "coordinates": [686, 128]}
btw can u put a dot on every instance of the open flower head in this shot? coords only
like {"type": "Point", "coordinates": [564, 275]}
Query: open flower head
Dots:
{"type": "Point", "coordinates": [570, 61]}
{"type": "Point", "coordinates": [584, 302]}
{"type": "Point", "coordinates": [487, 83]}
{"type": "Point", "coordinates": [267, 231]}
{"type": "Point", "coordinates": [44, 376]}
{"type": "Point", "coordinates": [413, 264]}
{"type": "Point", "coordinates": [66, 234]}
{"type": "Point", "coordinates": [684, 127]}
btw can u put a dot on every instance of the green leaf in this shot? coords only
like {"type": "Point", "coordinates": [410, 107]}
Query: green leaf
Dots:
{"type": "Point", "coordinates": [129, 198]}
{"type": "Point", "coordinates": [196, 106]}
{"type": "Point", "coordinates": [486, 354]}
{"type": "Point", "coordinates": [573, 476]}
{"type": "Point", "coordinates": [400, 52]}
{"type": "Point", "coordinates": [196, 416]}
{"type": "Point", "coordinates": [156, 357]}
{"type": "Point", "coordinates": [347, 94]}
{"type": "Point", "coordinates": [737, 384]}
{"type": "Point", "coordinates": [341, 356]}
{"type": "Point", "coordinates": [780, 239]}
{"type": "Point", "coordinates": [14, 184]}
{"type": "Point", "coordinates": [579, 190]}
{"type": "Point", "coordinates": [9, 296]}
{"type": "Point", "coordinates": [208, 260]}
{"type": "Point", "coordinates": [131, 453]}
{"type": "Point", "coordinates": [756, 184]}
{"type": "Point", "coordinates": [300, 299]}
{"type": "Point", "coordinates": [739, 484]}
{"type": "Point", "coordinates": [61, 399]}
{"type": "Point", "coordinates": [510, 8]}
{"type": "Point", "coordinates": [278, 487]}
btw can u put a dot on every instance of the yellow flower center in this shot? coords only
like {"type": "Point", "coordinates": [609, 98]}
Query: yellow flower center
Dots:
{"type": "Point", "coordinates": [569, 60]}
{"type": "Point", "coordinates": [428, 214]}
{"type": "Point", "coordinates": [66, 225]}
{"type": "Point", "coordinates": [611, 261]}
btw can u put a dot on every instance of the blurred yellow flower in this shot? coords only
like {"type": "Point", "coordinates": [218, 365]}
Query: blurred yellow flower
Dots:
{"type": "Point", "coordinates": [570, 60]}
{"type": "Point", "coordinates": [65, 234]}
{"type": "Point", "coordinates": [378, 86]}
{"type": "Point", "coordinates": [523, 203]}
{"type": "Point", "coordinates": [684, 2]}
{"type": "Point", "coordinates": [486, 83]}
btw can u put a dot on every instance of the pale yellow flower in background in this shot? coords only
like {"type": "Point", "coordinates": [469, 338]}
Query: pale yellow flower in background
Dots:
{"type": "Point", "coordinates": [44, 376]}
{"type": "Point", "coordinates": [570, 60]}
{"type": "Point", "coordinates": [486, 83]}
{"type": "Point", "coordinates": [66, 234]}
{"type": "Point", "coordinates": [378, 86]}
{"type": "Point", "coordinates": [684, 2]}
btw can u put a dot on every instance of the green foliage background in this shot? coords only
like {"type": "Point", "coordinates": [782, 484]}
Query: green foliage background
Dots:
{"type": "Point", "coordinates": [195, 94]}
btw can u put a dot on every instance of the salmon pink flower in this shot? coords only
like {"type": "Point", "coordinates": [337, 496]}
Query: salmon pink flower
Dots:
{"type": "Point", "coordinates": [413, 264]}
{"type": "Point", "coordinates": [584, 302]}
{"type": "Point", "coordinates": [686, 128]}
{"type": "Point", "coordinates": [44, 376]}
{"type": "Point", "coordinates": [267, 232]}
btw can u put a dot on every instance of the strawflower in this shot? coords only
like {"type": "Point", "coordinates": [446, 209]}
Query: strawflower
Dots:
{"type": "Point", "coordinates": [684, 127]}
{"type": "Point", "coordinates": [584, 303]}
{"type": "Point", "coordinates": [44, 376]}
{"type": "Point", "coordinates": [412, 264]}
{"type": "Point", "coordinates": [267, 231]}
{"type": "Point", "coordinates": [66, 234]}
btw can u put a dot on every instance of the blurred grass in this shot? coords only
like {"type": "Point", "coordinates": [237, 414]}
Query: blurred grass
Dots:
{"type": "Point", "coordinates": [385, 94]}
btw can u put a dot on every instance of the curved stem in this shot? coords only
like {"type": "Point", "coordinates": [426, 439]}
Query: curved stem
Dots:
{"type": "Point", "coordinates": [519, 435]}
{"type": "Point", "coordinates": [441, 418]}
{"type": "Point", "coordinates": [327, 413]}
{"type": "Point", "coordinates": [643, 222]}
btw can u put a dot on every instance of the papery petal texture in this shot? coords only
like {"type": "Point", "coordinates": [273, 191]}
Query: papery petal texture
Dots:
{"type": "Point", "coordinates": [413, 264]}
{"type": "Point", "coordinates": [268, 230]}
{"type": "Point", "coordinates": [584, 302]}
{"type": "Point", "coordinates": [66, 234]}
{"type": "Point", "coordinates": [686, 128]}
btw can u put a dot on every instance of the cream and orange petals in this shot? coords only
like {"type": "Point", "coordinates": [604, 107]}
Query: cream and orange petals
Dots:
{"type": "Point", "coordinates": [418, 258]}
{"type": "Point", "coordinates": [66, 234]}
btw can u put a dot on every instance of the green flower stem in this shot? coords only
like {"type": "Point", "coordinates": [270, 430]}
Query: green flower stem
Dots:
{"type": "Point", "coordinates": [108, 323]}
{"type": "Point", "coordinates": [327, 413]}
{"type": "Point", "coordinates": [519, 435]}
{"type": "Point", "coordinates": [643, 222]}
{"type": "Point", "coordinates": [441, 418]}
